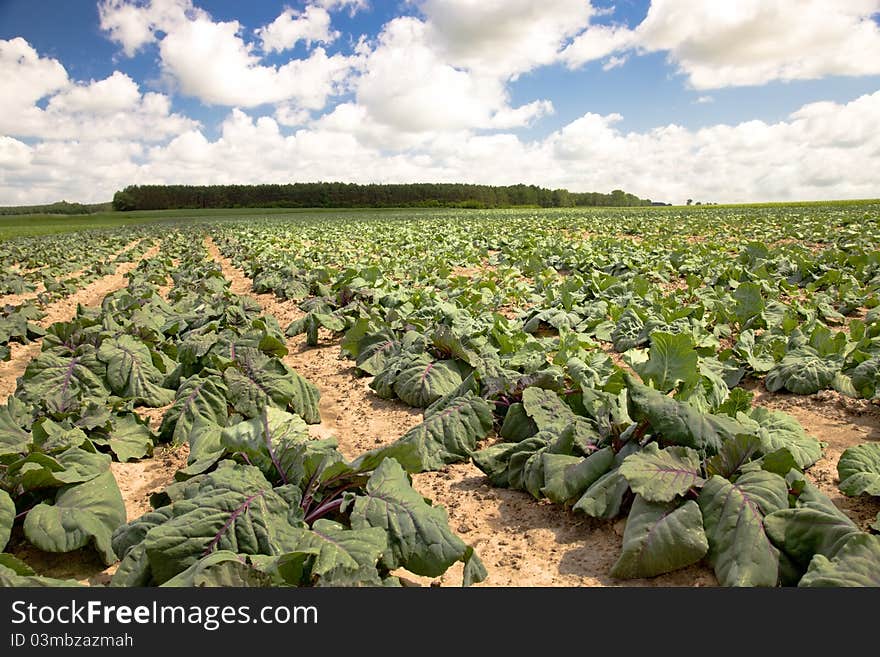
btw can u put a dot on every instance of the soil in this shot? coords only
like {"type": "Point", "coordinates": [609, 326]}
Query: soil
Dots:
{"type": "Point", "coordinates": [522, 541]}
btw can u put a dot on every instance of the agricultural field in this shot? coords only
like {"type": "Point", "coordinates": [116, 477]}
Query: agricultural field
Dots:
{"type": "Point", "coordinates": [574, 397]}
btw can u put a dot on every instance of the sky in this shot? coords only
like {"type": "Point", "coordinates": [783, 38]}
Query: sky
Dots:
{"type": "Point", "coordinates": [739, 101]}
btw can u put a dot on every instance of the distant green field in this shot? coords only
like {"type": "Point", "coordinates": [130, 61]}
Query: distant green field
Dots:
{"type": "Point", "coordinates": [26, 225]}
{"type": "Point", "coordinates": [35, 224]}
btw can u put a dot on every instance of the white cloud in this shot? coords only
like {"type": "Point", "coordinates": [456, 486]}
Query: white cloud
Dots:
{"type": "Point", "coordinates": [210, 61]}
{"type": "Point", "coordinates": [25, 77]}
{"type": "Point", "coordinates": [14, 154]}
{"type": "Point", "coordinates": [408, 85]}
{"type": "Point", "coordinates": [703, 100]}
{"type": "Point", "coordinates": [113, 94]}
{"type": "Point", "coordinates": [291, 115]}
{"type": "Point", "coordinates": [291, 26]}
{"type": "Point", "coordinates": [134, 26]}
{"type": "Point", "coordinates": [749, 42]}
{"type": "Point", "coordinates": [503, 38]}
{"type": "Point", "coordinates": [597, 42]}
{"type": "Point", "coordinates": [213, 62]}
{"type": "Point", "coordinates": [614, 62]}
{"type": "Point", "coordinates": [112, 108]}
{"type": "Point", "coordinates": [354, 6]}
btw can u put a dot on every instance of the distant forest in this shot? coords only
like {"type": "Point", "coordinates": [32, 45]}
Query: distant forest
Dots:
{"type": "Point", "coordinates": [350, 195]}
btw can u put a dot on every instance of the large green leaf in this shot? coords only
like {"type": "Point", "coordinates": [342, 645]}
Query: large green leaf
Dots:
{"type": "Point", "coordinates": [14, 438]}
{"type": "Point", "coordinates": [9, 577]}
{"type": "Point", "coordinates": [672, 360]}
{"type": "Point", "coordinates": [419, 537]}
{"type": "Point", "coordinates": [857, 563]}
{"type": "Point", "coordinates": [739, 548]}
{"type": "Point", "coordinates": [339, 551]}
{"type": "Point", "coordinates": [7, 518]}
{"type": "Point", "coordinates": [604, 497]}
{"type": "Point", "coordinates": [233, 508]}
{"type": "Point", "coordinates": [449, 434]}
{"type": "Point", "coordinates": [205, 448]}
{"type": "Point", "coordinates": [866, 377]}
{"type": "Point", "coordinates": [660, 538]}
{"type": "Point", "coordinates": [131, 373]}
{"type": "Point", "coordinates": [777, 429]}
{"type": "Point", "coordinates": [51, 437]}
{"type": "Point", "coordinates": [546, 409]}
{"type": "Point", "coordinates": [679, 422]}
{"type": "Point", "coordinates": [757, 355]}
{"type": "Point", "coordinates": [733, 455]}
{"type": "Point", "coordinates": [749, 302]}
{"type": "Point", "coordinates": [255, 381]}
{"type": "Point", "coordinates": [859, 470]}
{"type": "Point", "coordinates": [374, 352]}
{"type": "Point", "coordinates": [422, 383]}
{"type": "Point", "coordinates": [63, 383]}
{"type": "Point", "coordinates": [517, 424]}
{"type": "Point", "coordinates": [814, 526]}
{"type": "Point", "coordinates": [72, 466]}
{"type": "Point", "coordinates": [197, 397]}
{"type": "Point", "coordinates": [82, 514]}
{"type": "Point", "coordinates": [803, 372]}
{"type": "Point", "coordinates": [267, 440]}
{"type": "Point", "coordinates": [659, 475]}
{"type": "Point", "coordinates": [221, 569]}
{"type": "Point", "coordinates": [495, 460]}
{"type": "Point", "coordinates": [130, 437]}
{"type": "Point", "coordinates": [566, 478]}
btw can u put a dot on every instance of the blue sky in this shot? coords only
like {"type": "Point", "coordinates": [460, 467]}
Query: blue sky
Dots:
{"type": "Point", "coordinates": [667, 99]}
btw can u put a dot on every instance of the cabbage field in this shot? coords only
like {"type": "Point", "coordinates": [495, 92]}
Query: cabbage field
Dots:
{"type": "Point", "coordinates": [572, 397]}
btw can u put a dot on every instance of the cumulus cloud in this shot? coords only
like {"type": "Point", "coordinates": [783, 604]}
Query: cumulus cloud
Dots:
{"type": "Point", "coordinates": [597, 42]}
{"type": "Point", "coordinates": [748, 42]}
{"type": "Point", "coordinates": [823, 150]}
{"type": "Point", "coordinates": [112, 108]}
{"type": "Point", "coordinates": [408, 84]}
{"type": "Point", "coordinates": [27, 77]}
{"type": "Point", "coordinates": [213, 62]}
{"type": "Point", "coordinates": [291, 27]}
{"type": "Point", "coordinates": [503, 38]}
{"type": "Point", "coordinates": [430, 100]}
{"type": "Point", "coordinates": [210, 61]}
{"type": "Point", "coordinates": [134, 25]}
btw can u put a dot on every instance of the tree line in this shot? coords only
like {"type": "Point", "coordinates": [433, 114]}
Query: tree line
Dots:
{"type": "Point", "coordinates": [351, 195]}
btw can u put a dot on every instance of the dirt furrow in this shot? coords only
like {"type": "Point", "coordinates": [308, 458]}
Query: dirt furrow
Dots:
{"type": "Point", "coordinates": [17, 299]}
{"type": "Point", "coordinates": [62, 311]}
{"type": "Point", "coordinates": [350, 410]}
{"type": "Point", "coordinates": [523, 542]}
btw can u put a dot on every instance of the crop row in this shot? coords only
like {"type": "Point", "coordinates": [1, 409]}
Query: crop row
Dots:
{"type": "Point", "coordinates": [516, 318]}
{"type": "Point", "coordinates": [259, 502]}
